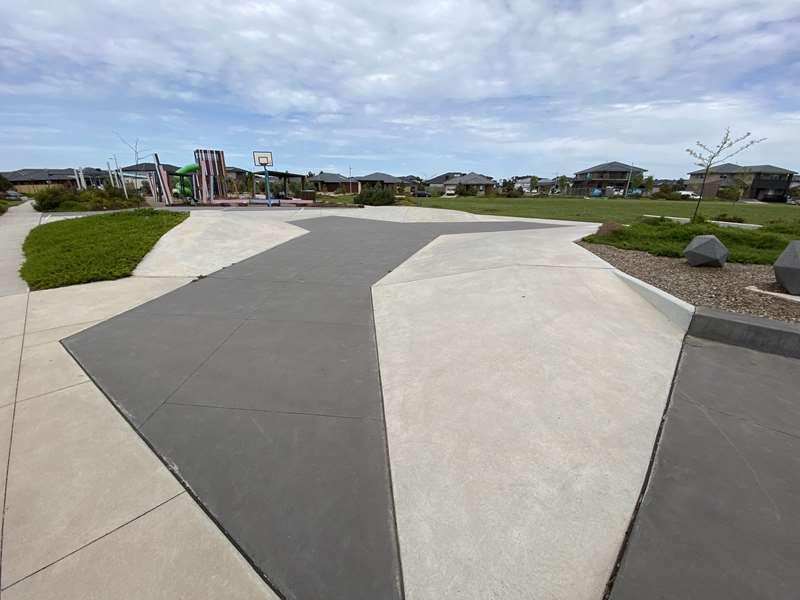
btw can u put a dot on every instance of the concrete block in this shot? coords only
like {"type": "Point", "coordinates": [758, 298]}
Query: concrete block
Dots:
{"type": "Point", "coordinates": [706, 251]}
{"type": "Point", "coordinates": [787, 268]}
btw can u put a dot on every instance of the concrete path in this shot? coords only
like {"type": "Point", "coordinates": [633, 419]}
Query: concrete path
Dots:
{"type": "Point", "coordinates": [14, 227]}
{"type": "Point", "coordinates": [260, 386]}
{"type": "Point", "coordinates": [519, 380]}
{"type": "Point", "coordinates": [721, 516]}
{"type": "Point", "coordinates": [523, 387]}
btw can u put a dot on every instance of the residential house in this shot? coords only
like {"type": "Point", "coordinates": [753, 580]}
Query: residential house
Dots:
{"type": "Point", "coordinates": [436, 184]}
{"type": "Point", "coordinates": [546, 186]}
{"type": "Point", "coordinates": [475, 184]}
{"type": "Point", "coordinates": [606, 177]}
{"type": "Point", "coordinates": [379, 179]}
{"type": "Point", "coordinates": [333, 183]}
{"type": "Point", "coordinates": [410, 184]}
{"type": "Point", "coordinates": [522, 182]}
{"type": "Point", "coordinates": [148, 167]}
{"type": "Point", "coordinates": [757, 182]}
{"type": "Point", "coordinates": [30, 181]}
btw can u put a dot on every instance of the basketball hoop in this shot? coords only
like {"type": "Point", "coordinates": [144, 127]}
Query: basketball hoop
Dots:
{"type": "Point", "coordinates": [262, 159]}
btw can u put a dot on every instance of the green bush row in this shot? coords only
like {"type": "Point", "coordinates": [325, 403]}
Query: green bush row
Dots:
{"type": "Point", "coordinates": [375, 196]}
{"type": "Point", "coordinates": [57, 199]}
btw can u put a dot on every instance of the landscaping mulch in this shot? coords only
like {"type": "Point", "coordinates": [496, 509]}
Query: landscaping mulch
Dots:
{"type": "Point", "coordinates": [724, 289]}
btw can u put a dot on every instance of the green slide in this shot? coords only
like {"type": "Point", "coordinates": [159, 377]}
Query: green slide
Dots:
{"type": "Point", "coordinates": [183, 187]}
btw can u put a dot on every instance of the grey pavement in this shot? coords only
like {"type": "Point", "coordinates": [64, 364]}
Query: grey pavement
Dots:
{"type": "Point", "coordinates": [259, 386]}
{"type": "Point", "coordinates": [720, 519]}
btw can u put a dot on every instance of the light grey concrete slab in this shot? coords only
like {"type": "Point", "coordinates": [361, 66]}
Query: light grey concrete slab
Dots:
{"type": "Point", "coordinates": [721, 515]}
{"type": "Point", "coordinates": [210, 240]}
{"type": "Point", "coordinates": [77, 471]}
{"type": "Point", "coordinates": [94, 301]}
{"type": "Point", "coordinates": [521, 405]}
{"type": "Point", "coordinates": [172, 552]}
{"type": "Point", "coordinates": [14, 227]}
{"type": "Point", "coordinates": [46, 336]}
{"type": "Point", "coordinates": [6, 413]}
{"type": "Point", "coordinates": [10, 350]}
{"type": "Point", "coordinates": [13, 310]}
{"type": "Point", "coordinates": [47, 368]}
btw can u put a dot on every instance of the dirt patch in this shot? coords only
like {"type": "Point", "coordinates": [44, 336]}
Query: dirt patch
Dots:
{"type": "Point", "coordinates": [724, 288]}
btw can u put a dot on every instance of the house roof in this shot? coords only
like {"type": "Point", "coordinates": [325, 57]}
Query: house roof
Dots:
{"type": "Point", "coordinates": [324, 177]}
{"type": "Point", "coordinates": [239, 170]}
{"type": "Point", "coordinates": [443, 177]}
{"type": "Point", "coordinates": [148, 167]}
{"type": "Point", "coordinates": [382, 177]}
{"type": "Point", "coordinates": [731, 168]}
{"type": "Point", "coordinates": [21, 175]}
{"type": "Point", "coordinates": [410, 179]}
{"type": "Point", "coordinates": [470, 179]}
{"type": "Point", "coordinates": [611, 166]}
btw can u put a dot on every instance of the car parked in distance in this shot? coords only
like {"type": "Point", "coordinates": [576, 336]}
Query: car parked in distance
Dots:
{"type": "Point", "coordinates": [689, 194]}
{"type": "Point", "coordinates": [422, 194]}
{"type": "Point", "coordinates": [12, 195]}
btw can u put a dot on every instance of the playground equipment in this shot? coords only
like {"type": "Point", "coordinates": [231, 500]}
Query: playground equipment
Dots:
{"type": "Point", "coordinates": [264, 159]}
{"type": "Point", "coordinates": [184, 188]}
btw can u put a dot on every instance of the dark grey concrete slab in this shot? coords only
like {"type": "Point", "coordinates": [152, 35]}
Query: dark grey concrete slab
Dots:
{"type": "Point", "coordinates": [259, 386]}
{"type": "Point", "coordinates": [263, 471]}
{"type": "Point", "coordinates": [293, 367]}
{"type": "Point", "coordinates": [721, 516]}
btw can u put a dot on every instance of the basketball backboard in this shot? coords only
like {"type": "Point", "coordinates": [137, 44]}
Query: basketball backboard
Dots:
{"type": "Point", "coordinates": [262, 159]}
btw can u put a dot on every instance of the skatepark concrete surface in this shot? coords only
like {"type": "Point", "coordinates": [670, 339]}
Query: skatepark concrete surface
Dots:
{"type": "Point", "coordinates": [389, 402]}
{"type": "Point", "coordinates": [523, 390]}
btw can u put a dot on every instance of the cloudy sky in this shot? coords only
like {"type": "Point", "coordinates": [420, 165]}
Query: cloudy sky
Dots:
{"type": "Point", "coordinates": [415, 87]}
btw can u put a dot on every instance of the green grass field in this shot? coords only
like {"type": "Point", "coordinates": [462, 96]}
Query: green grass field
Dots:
{"type": "Point", "coordinates": [92, 248]}
{"type": "Point", "coordinates": [666, 238]}
{"type": "Point", "coordinates": [600, 210]}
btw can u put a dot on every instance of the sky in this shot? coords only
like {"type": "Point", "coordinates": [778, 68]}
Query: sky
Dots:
{"type": "Point", "coordinates": [502, 87]}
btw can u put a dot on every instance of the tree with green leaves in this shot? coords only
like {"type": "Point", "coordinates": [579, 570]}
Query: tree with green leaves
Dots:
{"type": "Point", "coordinates": [562, 184]}
{"type": "Point", "coordinates": [5, 184]}
{"type": "Point", "coordinates": [708, 157]}
{"type": "Point", "coordinates": [648, 184]}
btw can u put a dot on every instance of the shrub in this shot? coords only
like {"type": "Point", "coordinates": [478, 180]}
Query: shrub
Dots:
{"type": "Point", "coordinates": [728, 218]}
{"type": "Point", "coordinates": [375, 196]}
{"type": "Point", "coordinates": [5, 184]}
{"type": "Point", "coordinates": [729, 194]}
{"type": "Point", "coordinates": [666, 195]}
{"type": "Point", "coordinates": [609, 228]}
{"type": "Point", "coordinates": [461, 190]}
{"type": "Point", "coordinates": [65, 199]}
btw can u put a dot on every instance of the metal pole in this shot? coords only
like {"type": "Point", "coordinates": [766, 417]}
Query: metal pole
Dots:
{"type": "Point", "coordinates": [122, 178]}
{"type": "Point", "coordinates": [111, 179]}
{"type": "Point", "coordinates": [266, 187]}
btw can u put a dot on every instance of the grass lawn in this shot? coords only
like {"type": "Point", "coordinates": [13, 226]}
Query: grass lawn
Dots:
{"type": "Point", "coordinates": [666, 238]}
{"type": "Point", "coordinates": [92, 248]}
{"type": "Point", "coordinates": [621, 210]}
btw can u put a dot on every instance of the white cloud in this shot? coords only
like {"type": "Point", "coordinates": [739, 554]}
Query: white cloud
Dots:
{"type": "Point", "coordinates": [530, 81]}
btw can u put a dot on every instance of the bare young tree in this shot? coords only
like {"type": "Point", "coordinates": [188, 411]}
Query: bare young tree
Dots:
{"type": "Point", "coordinates": [137, 155]}
{"type": "Point", "coordinates": [707, 157]}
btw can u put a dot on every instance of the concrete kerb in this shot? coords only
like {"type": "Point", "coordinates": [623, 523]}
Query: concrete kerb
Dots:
{"type": "Point", "coordinates": [675, 309]}
{"type": "Point", "coordinates": [756, 333]}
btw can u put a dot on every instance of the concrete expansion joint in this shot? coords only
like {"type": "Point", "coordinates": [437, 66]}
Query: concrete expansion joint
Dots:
{"type": "Point", "coordinates": [97, 539]}
{"type": "Point", "coordinates": [497, 268]}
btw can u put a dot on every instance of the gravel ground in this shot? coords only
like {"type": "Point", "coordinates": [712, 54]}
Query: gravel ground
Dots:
{"type": "Point", "coordinates": [724, 288]}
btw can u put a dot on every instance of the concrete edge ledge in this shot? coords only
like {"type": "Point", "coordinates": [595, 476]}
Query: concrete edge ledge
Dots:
{"type": "Point", "coordinates": [756, 333]}
{"type": "Point", "coordinates": [676, 310]}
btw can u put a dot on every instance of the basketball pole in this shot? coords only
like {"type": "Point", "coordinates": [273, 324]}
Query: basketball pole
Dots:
{"type": "Point", "coordinates": [266, 185]}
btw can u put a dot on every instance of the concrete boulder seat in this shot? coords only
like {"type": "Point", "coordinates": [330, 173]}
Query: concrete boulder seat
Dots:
{"type": "Point", "coordinates": [787, 268]}
{"type": "Point", "coordinates": [706, 251]}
